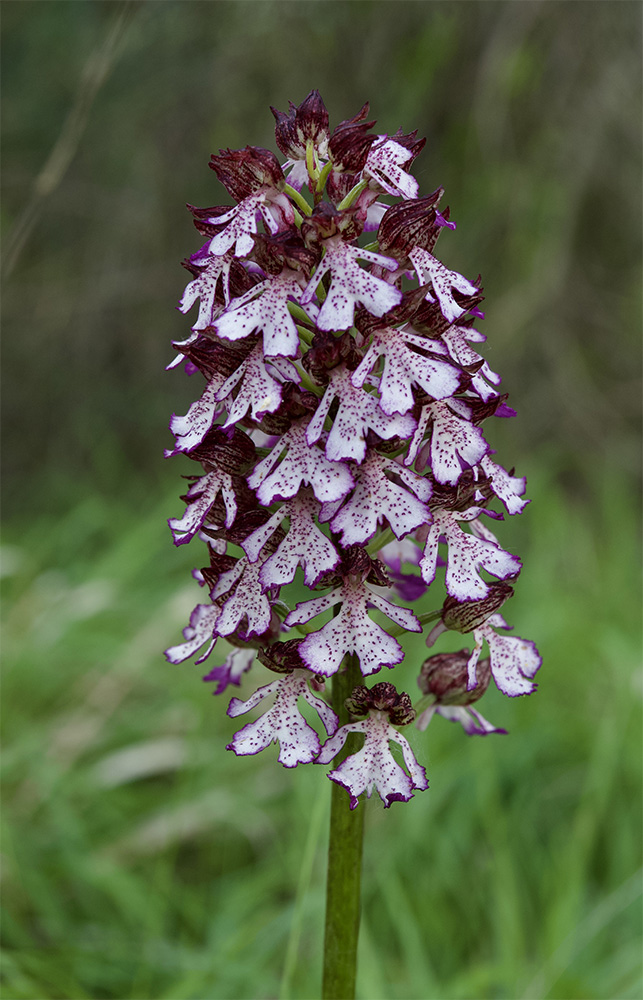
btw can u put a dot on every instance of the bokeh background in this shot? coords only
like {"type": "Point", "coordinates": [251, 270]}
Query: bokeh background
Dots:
{"type": "Point", "coordinates": [141, 859]}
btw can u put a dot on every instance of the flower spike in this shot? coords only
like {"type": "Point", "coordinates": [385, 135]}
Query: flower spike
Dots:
{"type": "Point", "coordinates": [340, 437]}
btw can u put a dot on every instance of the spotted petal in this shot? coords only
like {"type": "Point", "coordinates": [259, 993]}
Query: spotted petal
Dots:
{"type": "Point", "coordinates": [455, 442]}
{"type": "Point", "coordinates": [242, 221]}
{"type": "Point", "coordinates": [265, 307]}
{"type": "Point", "coordinates": [466, 555]}
{"type": "Point", "coordinates": [376, 497]}
{"type": "Point", "coordinates": [301, 464]}
{"type": "Point", "coordinates": [358, 412]}
{"type": "Point", "coordinates": [429, 268]}
{"type": "Point", "coordinates": [403, 368]}
{"type": "Point", "coordinates": [247, 600]}
{"type": "Point", "coordinates": [351, 630]}
{"type": "Point", "coordinates": [350, 284]}
{"type": "Point", "coordinates": [374, 765]}
{"type": "Point", "coordinates": [509, 489]}
{"type": "Point", "coordinates": [514, 661]}
{"type": "Point", "coordinates": [283, 722]}
{"type": "Point", "coordinates": [258, 392]}
{"type": "Point", "coordinates": [190, 429]}
{"type": "Point", "coordinates": [204, 287]}
{"type": "Point", "coordinates": [304, 545]}
{"type": "Point", "coordinates": [196, 634]}
{"type": "Point", "coordinates": [384, 164]}
{"type": "Point", "coordinates": [456, 342]}
{"type": "Point", "coordinates": [203, 493]}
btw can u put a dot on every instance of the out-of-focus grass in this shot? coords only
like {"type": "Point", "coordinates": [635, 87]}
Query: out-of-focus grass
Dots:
{"type": "Point", "coordinates": [142, 860]}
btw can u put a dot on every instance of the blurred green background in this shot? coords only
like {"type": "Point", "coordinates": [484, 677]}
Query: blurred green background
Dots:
{"type": "Point", "coordinates": [140, 859]}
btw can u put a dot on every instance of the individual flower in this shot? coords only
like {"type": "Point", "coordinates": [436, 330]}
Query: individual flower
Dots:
{"type": "Point", "coordinates": [283, 722]}
{"type": "Point", "coordinates": [350, 284]}
{"type": "Point", "coordinates": [351, 630]}
{"type": "Point", "coordinates": [374, 767]}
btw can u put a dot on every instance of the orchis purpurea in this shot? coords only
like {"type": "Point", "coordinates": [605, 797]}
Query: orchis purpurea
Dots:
{"type": "Point", "coordinates": [339, 433]}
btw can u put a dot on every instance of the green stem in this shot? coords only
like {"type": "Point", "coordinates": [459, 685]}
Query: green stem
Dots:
{"type": "Point", "coordinates": [298, 199]}
{"type": "Point", "coordinates": [298, 313]}
{"type": "Point", "coordinates": [344, 864]}
{"type": "Point", "coordinates": [323, 177]}
{"type": "Point", "coordinates": [352, 195]}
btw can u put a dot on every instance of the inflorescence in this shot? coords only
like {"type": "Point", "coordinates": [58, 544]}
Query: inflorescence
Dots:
{"type": "Point", "coordinates": [340, 431]}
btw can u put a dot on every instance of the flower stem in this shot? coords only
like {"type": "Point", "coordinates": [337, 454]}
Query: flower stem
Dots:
{"type": "Point", "coordinates": [344, 864]}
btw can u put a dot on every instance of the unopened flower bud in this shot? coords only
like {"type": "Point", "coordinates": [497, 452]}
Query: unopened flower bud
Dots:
{"type": "Point", "coordinates": [445, 677]}
{"type": "Point", "coordinates": [308, 121]}
{"type": "Point", "coordinates": [349, 144]}
{"type": "Point", "coordinates": [288, 249]}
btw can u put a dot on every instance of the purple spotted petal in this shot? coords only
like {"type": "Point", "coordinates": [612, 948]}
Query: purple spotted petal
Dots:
{"type": "Point", "coordinates": [428, 268]}
{"type": "Point", "coordinates": [376, 497]}
{"type": "Point", "coordinates": [403, 369]}
{"type": "Point", "coordinates": [265, 308]}
{"type": "Point", "coordinates": [509, 489]}
{"type": "Point", "coordinates": [190, 429]}
{"type": "Point", "coordinates": [514, 661]}
{"type": "Point", "coordinates": [384, 164]}
{"type": "Point", "coordinates": [301, 464]}
{"type": "Point", "coordinates": [247, 600]}
{"type": "Point", "coordinates": [237, 662]}
{"type": "Point", "coordinates": [304, 545]}
{"type": "Point", "coordinates": [456, 341]}
{"type": "Point", "coordinates": [283, 722]}
{"type": "Point", "coordinates": [455, 442]}
{"type": "Point", "coordinates": [467, 554]}
{"type": "Point", "coordinates": [258, 391]}
{"type": "Point", "coordinates": [374, 767]}
{"type": "Point", "coordinates": [350, 285]}
{"type": "Point", "coordinates": [204, 287]}
{"type": "Point", "coordinates": [351, 630]}
{"type": "Point", "coordinates": [358, 412]}
{"type": "Point", "coordinates": [196, 634]}
{"type": "Point", "coordinates": [275, 209]}
{"type": "Point", "coordinates": [204, 491]}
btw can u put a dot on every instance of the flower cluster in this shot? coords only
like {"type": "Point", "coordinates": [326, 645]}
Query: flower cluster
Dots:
{"type": "Point", "coordinates": [339, 432]}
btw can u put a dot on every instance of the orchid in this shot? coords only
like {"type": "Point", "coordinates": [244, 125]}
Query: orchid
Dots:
{"type": "Point", "coordinates": [340, 440]}
{"type": "Point", "coordinates": [340, 435]}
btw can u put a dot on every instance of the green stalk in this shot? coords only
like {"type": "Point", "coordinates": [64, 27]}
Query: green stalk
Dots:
{"type": "Point", "coordinates": [352, 195]}
{"type": "Point", "coordinates": [298, 199]}
{"type": "Point", "coordinates": [323, 177]}
{"type": "Point", "coordinates": [344, 863]}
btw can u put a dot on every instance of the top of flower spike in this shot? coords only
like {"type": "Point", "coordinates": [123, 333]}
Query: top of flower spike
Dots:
{"type": "Point", "coordinates": [305, 123]}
